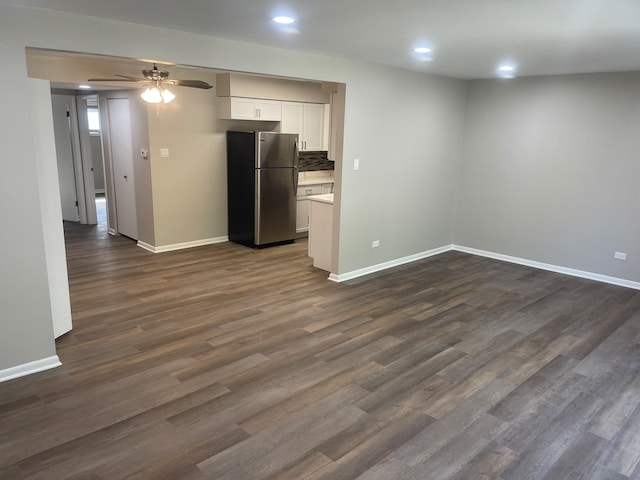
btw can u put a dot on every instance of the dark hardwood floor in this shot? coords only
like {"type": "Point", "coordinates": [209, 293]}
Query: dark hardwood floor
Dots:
{"type": "Point", "coordinates": [223, 362]}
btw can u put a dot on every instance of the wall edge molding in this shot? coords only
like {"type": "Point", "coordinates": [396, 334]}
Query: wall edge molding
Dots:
{"type": "Point", "coordinates": [29, 368]}
{"type": "Point", "coordinates": [621, 282]}
{"type": "Point", "coordinates": [183, 245]}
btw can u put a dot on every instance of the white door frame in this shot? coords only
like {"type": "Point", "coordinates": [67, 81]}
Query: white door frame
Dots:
{"type": "Point", "coordinates": [50, 204]}
{"type": "Point", "coordinates": [89, 197]}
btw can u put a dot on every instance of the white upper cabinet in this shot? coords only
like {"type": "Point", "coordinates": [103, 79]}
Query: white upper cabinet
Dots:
{"type": "Point", "coordinates": [291, 120]}
{"type": "Point", "coordinates": [308, 121]}
{"type": "Point", "coordinates": [313, 126]}
{"type": "Point", "coordinates": [268, 110]}
{"type": "Point", "coordinates": [240, 108]}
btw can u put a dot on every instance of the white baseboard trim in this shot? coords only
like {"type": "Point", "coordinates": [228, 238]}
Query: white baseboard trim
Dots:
{"type": "Point", "coordinates": [386, 265]}
{"type": "Point", "coordinates": [483, 253]}
{"type": "Point", "coordinates": [112, 231]}
{"type": "Point", "coordinates": [552, 268]}
{"type": "Point", "coordinates": [29, 368]}
{"type": "Point", "coordinates": [181, 246]}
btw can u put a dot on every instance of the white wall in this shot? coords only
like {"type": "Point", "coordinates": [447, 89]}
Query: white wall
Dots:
{"type": "Point", "coordinates": [551, 171]}
{"type": "Point", "coordinates": [397, 122]}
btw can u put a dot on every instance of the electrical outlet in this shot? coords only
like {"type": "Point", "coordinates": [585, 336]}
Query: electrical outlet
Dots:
{"type": "Point", "coordinates": [164, 153]}
{"type": "Point", "coordinates": [620, 256]}
{"type": "Point", "coordinates": [375, 244]}
{"type": "Point", "coordinates": [356, 164]}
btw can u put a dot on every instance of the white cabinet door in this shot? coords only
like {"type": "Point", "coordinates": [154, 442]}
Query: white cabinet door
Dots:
{"type": "Point", "coordinates": [308, 121]}
{"type": "Point", "coordinates": [313, 126]}
{"type": "Point", "coordinates": [302, 215]}
{"type": "Point", "coordinates": [291, 121]}
{"type": "Point", "coordinates": [243, 108]}
{"type": "Point", "coordinates": [240, 108]}
{"type": "Point", "coordinates": [268, 110]}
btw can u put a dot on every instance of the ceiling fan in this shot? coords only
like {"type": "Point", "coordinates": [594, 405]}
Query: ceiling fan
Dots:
{"type": "Point", "coordinates": [154, 80]}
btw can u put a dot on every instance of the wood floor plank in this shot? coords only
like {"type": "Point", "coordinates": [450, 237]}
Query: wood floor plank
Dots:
{"type": "Point", "coordinates": [553, 442]}
{"type": "Point", "coordinates": [488, 464]}
{"type": "Point", "coordinates": [225, 362]}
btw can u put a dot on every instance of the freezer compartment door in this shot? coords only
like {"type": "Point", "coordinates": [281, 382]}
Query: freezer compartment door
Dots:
{"type": "Point", "coordinates": [275, 205]}
{"type": "Point", "coordinates": [277, 150]}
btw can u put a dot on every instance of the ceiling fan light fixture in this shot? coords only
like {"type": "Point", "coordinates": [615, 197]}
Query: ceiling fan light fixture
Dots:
{"type": "Point", "coordinates": [157, 95]}
{"type": "Point", "coordinates": [152, 95]}
{"type": "Point", "coordinates": [166, 95]}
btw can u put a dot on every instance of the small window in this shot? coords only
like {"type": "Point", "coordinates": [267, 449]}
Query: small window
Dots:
{"type": "Point", "coordinates": [93, 115]}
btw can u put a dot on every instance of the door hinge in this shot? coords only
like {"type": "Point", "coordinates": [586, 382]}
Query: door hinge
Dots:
{"type": "Point", "coordinates": [68, 113]}
{"type": "Point", "coordinates": [76, 203]}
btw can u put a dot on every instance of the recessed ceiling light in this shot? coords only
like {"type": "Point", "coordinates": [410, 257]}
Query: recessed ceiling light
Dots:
{"type": "Point", "coordinates": [284, 20]}
{"type": "Point", "coordinates": [422, 49]}
{"type": "Point", "coordinates": [506, 71]}
{"type": "Point", "coordinates": [84, 87]}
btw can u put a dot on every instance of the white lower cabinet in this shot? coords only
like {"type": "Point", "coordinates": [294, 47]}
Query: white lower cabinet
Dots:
{"type": "Point", "coordinates": [302, 215]}
{"type": "Point", "coordinates": [302, 212]}
{"type": "Point", "coordinates": [321, 231]}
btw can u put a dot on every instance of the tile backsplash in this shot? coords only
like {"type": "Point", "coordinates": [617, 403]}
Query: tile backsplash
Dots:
{"type": "Point", "coordinates": [310, 161]}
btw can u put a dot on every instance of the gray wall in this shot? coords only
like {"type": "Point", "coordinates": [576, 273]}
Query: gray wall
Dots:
{"type": "Point", "coordinates": [405, 128]}
{"type": "Point", "coordinates": [26, 330]}
{"type": "Point", "coordinates": [551, 169]}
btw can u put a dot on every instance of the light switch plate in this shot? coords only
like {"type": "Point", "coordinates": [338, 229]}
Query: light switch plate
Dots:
{"type": "Point", "coordinates": [164, 153]}
{"type": "Point", "coordinates": [356, 164]}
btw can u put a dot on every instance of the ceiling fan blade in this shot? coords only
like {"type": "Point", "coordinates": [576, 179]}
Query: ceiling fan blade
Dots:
{"type": "Point", "coordinates": [115, 80]}
{"type": "Point", "coordinates": [133, 79]}
{"type": "Point", "coordinates": [190, 83]}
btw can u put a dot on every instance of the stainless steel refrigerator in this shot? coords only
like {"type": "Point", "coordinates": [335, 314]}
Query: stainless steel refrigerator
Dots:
{"type": "Point", "coordinates": [262, 182]}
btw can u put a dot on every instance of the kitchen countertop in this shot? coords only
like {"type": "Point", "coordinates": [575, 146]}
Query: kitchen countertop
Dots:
{"type": "Point", "coordinates": [325, 198]}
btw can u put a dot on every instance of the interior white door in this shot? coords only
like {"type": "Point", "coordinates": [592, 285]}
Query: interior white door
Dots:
{"type": "Point", "coordinates": [122, 160]}
{"type": "Point", "coordinates": [61, 106]}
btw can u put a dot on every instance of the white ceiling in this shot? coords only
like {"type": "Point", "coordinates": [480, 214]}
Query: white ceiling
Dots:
{"type": "Point", "coordinates": [470, 38]}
